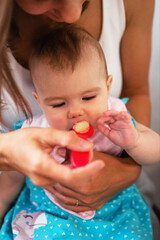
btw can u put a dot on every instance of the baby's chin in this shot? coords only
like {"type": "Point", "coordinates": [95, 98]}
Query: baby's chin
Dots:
{"type": "Point", "coordinates": [62, 128]}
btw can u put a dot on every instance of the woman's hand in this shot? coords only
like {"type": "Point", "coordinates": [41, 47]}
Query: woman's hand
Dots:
{"type": "Point", "coordinates": [94, 192]}
{"type": "Point", "coordinates": [28, 151]}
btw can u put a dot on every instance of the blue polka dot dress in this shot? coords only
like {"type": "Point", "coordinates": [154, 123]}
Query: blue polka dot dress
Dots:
{"type": "Point", "coordinates": [126, 216]}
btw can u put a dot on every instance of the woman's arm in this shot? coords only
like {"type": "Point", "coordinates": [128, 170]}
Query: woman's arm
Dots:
{"type": "Point", "coordinates": [10, 185]}
{"type": "Point", "coordinates": [135, 57]}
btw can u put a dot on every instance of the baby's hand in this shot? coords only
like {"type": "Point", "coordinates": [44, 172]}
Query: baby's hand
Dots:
{"type": "Point", "coordinates": [118, 127]}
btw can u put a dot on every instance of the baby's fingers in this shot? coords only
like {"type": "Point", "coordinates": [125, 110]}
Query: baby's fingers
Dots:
{"type": "Point", "coordinates": [112, 114]}
{"type": "Point", "coordinates": [104, 129]}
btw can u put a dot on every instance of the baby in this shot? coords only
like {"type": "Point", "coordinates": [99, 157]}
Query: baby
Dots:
{"type": "Point", "coordinates": [71, 82]}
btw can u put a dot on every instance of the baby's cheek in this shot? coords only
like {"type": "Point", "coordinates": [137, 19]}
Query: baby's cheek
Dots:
{"type": "Point", "coordinates": [58, 123]}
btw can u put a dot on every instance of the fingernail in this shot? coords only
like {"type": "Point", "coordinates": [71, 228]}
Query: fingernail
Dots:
{"type": "Point", "coordinates": [85, 144]}
{"type": "Point", "coordinates": [62, 152]}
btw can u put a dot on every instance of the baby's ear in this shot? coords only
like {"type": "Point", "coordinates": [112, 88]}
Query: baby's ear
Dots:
{"type": "Point", "coordinates": [109, 82]}
{"type": "Point", "coordinates": [35, 95]}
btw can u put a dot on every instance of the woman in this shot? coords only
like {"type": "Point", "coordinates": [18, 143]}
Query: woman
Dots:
{"type": "Point", "coordinates": [124, 31]}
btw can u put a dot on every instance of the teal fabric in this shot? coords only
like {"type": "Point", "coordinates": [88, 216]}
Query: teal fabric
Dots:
{"type": "Point", "coordinates": [18, 125]}
{"type": "Point", "coordinates": [125, 100]}
{"type": "Point", "coordinates": [126, 216]}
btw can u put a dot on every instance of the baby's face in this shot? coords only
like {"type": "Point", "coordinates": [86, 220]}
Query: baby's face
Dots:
{"type": "Point", "coordinates": [68, 97]}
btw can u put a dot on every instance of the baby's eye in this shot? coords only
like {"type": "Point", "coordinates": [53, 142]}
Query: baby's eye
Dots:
{"type": "Point", "coordinates": [58, 105]}
{"type": "Point", "coordinates": [88, 98]}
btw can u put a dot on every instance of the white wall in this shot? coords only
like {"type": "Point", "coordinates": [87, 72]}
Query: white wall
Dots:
{"type": "Point", "coordinates": [155, 70]}
{"type": "Point", "coordinates": [154, 171]}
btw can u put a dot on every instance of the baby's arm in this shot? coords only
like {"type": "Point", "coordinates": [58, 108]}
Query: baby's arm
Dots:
{"type": "Point", "coordinates": [141, 143]}
{"type": "Point", "coordinates": [147, 148]}
{"type": "Point", "coordinates": [10, 185]}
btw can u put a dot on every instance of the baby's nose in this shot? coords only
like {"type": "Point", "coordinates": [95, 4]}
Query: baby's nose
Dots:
{"type": "Point", "coordinates": [75, 112]}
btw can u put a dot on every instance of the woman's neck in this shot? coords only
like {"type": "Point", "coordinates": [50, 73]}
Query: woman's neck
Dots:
{"type": "Point", "coordinates": [29, 27]}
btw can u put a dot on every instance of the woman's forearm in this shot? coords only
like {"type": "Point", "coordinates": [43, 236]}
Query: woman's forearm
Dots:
{"type": "Point", "coordinates": [140, 109]}
{"type": "Point", "coordinates": [10, 185]}
{"type": "Point", "coordinates": [3, 160]}
{"type": "Point", "coordinates": [120, 172]}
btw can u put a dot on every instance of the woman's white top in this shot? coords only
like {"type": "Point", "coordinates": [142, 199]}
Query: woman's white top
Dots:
{"type": "Point", "coordinates": [112, 30]}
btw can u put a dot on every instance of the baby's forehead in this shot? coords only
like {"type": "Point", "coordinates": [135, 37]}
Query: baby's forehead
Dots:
{"type": "Point", "coordinates": [89, 54]}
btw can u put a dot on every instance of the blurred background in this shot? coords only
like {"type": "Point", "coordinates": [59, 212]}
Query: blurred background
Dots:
{"type": "Point", "coordinates": [154, 79]}
{"type": "Point", "coordinates": [155, 70]}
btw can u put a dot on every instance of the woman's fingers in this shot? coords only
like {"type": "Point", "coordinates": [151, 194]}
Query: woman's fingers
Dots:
{"type": "Point", "coordinates": [63, 198]}
{"type": "Point", "coordinates": [75, 208]}
{"type": "Point", "coordinates": [47, 167]}
{"type": "Point", "coordinates": [86, 202]}
{"type": "Point", "coordinates": [30, 150]}
{"type": "Point", "coordinates": [67, 139]}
